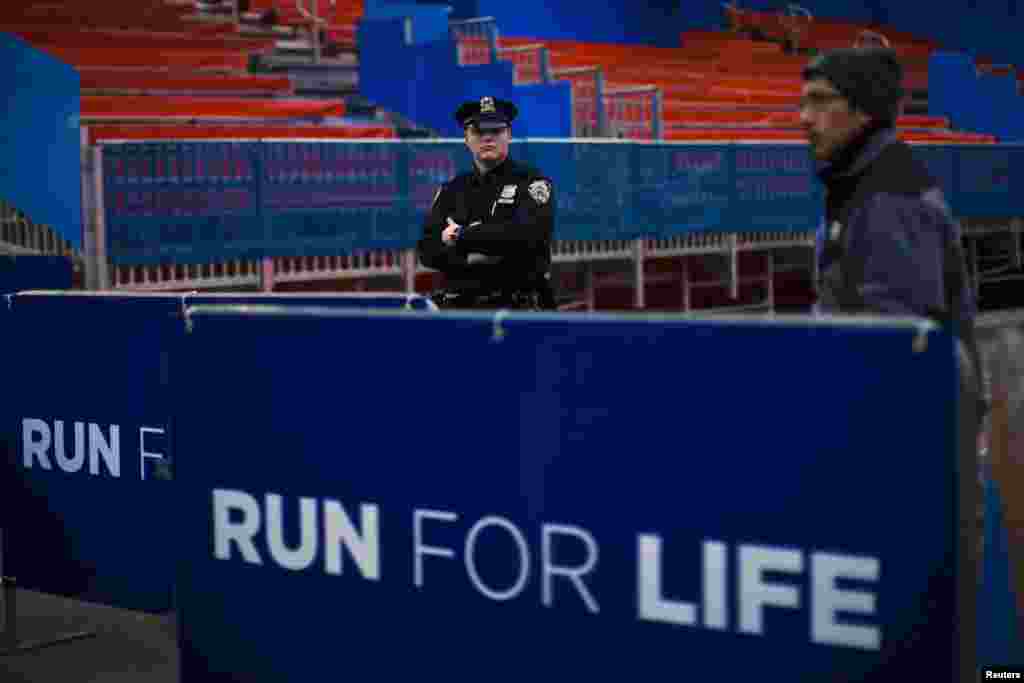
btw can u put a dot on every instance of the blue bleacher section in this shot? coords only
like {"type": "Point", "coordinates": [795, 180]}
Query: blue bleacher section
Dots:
{"type": "Point", "coordinates": [40, 142]}
{"type": "Point", "coordinates": [989, 29]}
{"type": "Point", "coordinates": [986, 103]}
{"type": "Point", "coordinates": [415, 71]}
{"type": "Point", "coordinates": [979, 29]}
{"type": "Point", "coordinates": [655, 22]}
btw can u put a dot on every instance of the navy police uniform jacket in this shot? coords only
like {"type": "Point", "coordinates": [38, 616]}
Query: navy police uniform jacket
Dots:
{"type": "Point", "coordinates": [507, 217]}
{"type": "Point", "coordinates": [889, 243]}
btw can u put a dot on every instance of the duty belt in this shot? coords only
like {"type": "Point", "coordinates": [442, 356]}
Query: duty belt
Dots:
{"type": "Point", "coordinates": [521, 299]}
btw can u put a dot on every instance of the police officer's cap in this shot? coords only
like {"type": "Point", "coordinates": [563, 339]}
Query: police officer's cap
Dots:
{"type": "Point", "coordinates": [487, 114]}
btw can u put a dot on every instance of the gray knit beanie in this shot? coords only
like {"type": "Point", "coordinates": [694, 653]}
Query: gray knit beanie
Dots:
{"type": "Point", "coordinates": [871, 78]}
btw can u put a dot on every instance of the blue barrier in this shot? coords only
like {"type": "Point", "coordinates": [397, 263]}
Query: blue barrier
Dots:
{"type": "Point", "coordinates": [34, 271]}
{"type": "Point", "coordinates": [193, 202]}
{"type": "Point", "coordinates": [572, 499]}
{"type": "Point", "coordinates": [89, 506]}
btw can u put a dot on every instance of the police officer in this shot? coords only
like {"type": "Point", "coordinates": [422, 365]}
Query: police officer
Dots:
{"type": "Point", "coordinates": [490, 229]}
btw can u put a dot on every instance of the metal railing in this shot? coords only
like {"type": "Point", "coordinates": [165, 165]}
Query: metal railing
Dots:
{"type": "Point", "coordinates": [317, 23]}
{"type": "Point", "coordinates": [589, 117]}
{"type": "Point", "coordinates": [19, 235]}
{"type": "Point", "coordinates": [634, 113]}
{"type": "Point", "coordinates": [403, 264]}
{"type": "Point", "coordinates": [1003, 259]}
{"type": "Point", "coordinates": [596, 112]}
{"type": "Point", "coordinates": [532, 63]}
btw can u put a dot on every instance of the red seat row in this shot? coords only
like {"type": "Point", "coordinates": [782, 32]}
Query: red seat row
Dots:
{"type": "Point", "coordinates": [124, 108]}
{"type": "Point", "coordinates": [132, 39]}
{"type": "Point", "coordinates": [789, 135]}
{"type": "Point", "coordinates": [110, 81]}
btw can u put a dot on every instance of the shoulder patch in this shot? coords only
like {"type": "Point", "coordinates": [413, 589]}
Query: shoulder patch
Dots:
{"type": "Point", "coordinates": [540, 190]}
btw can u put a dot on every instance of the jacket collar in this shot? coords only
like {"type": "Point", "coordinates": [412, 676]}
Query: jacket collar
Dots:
{"type": "Point", "coordinates": [858, 153]}
{"type": "Point", "coordinates": [496, 172]}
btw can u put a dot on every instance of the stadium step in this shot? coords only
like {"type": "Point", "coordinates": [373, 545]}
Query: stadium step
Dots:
{"type": "Point", "coordinates": [291, 45]}
{"type": "Point", "coordinates": [204, 18]}
{"type": "Point", "coordinates": [256, 29]}
{"type": "Point", "coordinates": [277, 62]}
{"type": "Point", "coordinates": [332, 76]}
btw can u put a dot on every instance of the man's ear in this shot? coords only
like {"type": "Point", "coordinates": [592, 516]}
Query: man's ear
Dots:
{"type": "Point", "coordinates": [863, 119]}
{"type": "Point", "coordinates": [862, 116]}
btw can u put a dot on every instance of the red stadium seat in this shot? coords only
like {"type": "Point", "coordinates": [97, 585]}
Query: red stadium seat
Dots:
{"type": "Point", "coordinates": [205, 60]}
{"type": "Point", "coordinates": [109, 81]}
{"type": "Point", "coordinates": [177, 132]}
{"type": "Point", "coordinates": [67, 38]}
{"type": "Point", "coordinates": [150, 15]}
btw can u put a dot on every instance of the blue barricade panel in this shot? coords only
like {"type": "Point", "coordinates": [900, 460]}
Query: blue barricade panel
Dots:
{"type": "Point", "coordinates": [90, 508]}
{"type": "Point", "coordinates": [92, 517]}
{"type": "Point", "coordinates": [197, 201]}
{"type": "Point", "coordinates": [34, 271]}
{"type": "Point", "coordinates": [566, 498]}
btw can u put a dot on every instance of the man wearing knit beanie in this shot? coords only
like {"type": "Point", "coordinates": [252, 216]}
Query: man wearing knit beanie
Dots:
{"type": "Point", "coordinates": [868, 80]}
{"type": "Point", "coordinates": [889, 244]}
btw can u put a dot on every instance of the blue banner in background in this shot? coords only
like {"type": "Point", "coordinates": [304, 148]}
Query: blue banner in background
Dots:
{"type": "Point", "coordinates": [199, 201]}
{"type": "Point", "coordinates": [941, 163]}
{"type": "Point", "coordinates": [774, 189]}
{"type": "Point", "coordinates": [989, 181]}
{"type": "Point", "coordinates": [590, 186]}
